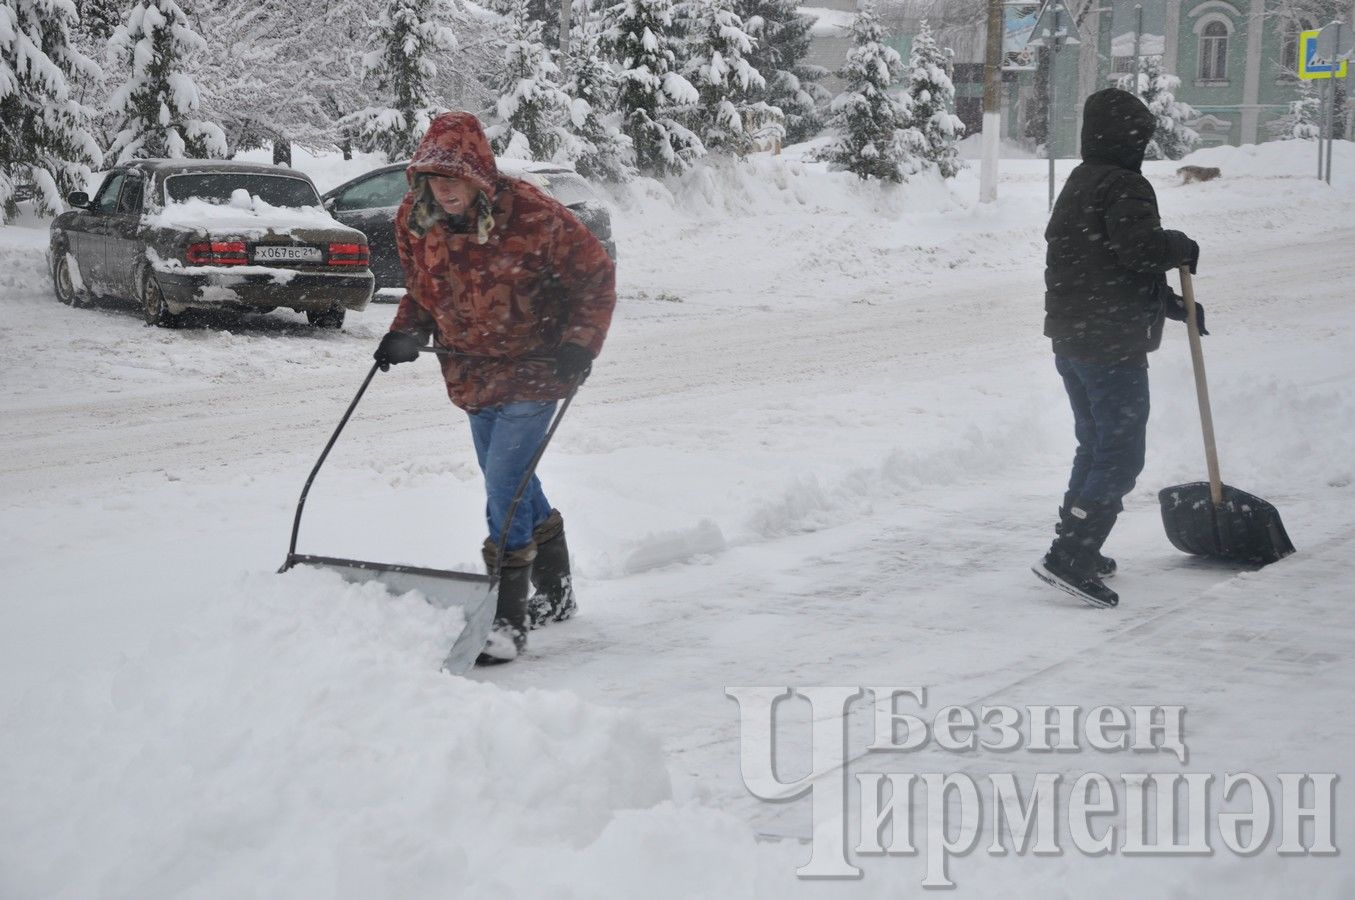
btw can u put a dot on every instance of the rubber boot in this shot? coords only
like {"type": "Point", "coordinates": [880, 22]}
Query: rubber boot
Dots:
{"type": "Point", "coordinates": [1105, 566]}
{"type": "Point", "coordinates": [508, 639]}
{"type": "Point", "coordinates": [1072, 561]}
{"type": "Point", "coordinates": [554, 597]}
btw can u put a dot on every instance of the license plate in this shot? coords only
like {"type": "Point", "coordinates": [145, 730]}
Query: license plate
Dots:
{"type": "Point", "coordinates": [286, 253]}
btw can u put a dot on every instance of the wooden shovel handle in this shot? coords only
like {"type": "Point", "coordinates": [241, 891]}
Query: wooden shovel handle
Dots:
{"type": "Point", "coordinates": [1211, 452]}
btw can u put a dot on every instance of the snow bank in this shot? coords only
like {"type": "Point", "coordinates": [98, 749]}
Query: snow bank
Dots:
{"type": "Point", "coordinates": [294, 738]}
{"type": "Point", "coordinates": [1275, 159]}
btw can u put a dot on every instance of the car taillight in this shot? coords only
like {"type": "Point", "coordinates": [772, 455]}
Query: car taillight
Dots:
{"type": "Point", "coordinates": [348, 254]}
{"type": "Point", "coordinates": [217, 253]}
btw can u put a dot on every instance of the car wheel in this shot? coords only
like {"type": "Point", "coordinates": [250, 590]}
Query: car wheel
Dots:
{"type": "Point", "coordinates": [326, 318]}
{"type": "Point", "coordinates": [64, 282]}
{"type": "Point", "coordinates": [153, 305]}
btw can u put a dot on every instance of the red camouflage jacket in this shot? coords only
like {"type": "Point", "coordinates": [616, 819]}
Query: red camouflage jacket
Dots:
{"type": "Point", "coordinates": [506, 299]}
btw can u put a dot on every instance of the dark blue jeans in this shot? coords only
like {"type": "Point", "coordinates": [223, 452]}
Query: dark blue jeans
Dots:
{"type": "Point", "coordinates": [1110, 418]}
{"type": "Point", "coordinates": [505, 438]}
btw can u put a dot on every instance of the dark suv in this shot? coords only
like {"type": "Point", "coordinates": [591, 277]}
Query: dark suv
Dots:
{"type": "Point", "coordinates": [369, 203]}
{"type": "Point", "coordinates": [180, 234]}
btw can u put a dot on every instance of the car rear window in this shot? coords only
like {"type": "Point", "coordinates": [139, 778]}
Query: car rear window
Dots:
{"type": "Point", "coordinates": [567, 187]}
{"type": "Point", "coordinates": [217, 187]}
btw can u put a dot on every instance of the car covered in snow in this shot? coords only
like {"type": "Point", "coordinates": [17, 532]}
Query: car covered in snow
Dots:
{"type": "Point", "coordinates": [369, 203]}
{"type": "Point", "coordinates": [174, 235]}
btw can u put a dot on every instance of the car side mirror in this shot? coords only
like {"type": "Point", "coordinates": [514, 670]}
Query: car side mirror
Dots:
{"type": "Point", "coordinates": [329, 203]}
{"type": "Point", "coordinates": [78, 199]}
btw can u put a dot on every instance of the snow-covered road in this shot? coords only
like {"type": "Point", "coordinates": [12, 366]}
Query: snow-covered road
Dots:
{"type": "Point", "coordinates": [823, 446]}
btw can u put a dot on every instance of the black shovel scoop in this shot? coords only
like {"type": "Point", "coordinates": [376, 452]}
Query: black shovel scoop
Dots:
{"type": "Point", "coordinates": [1210, 518]}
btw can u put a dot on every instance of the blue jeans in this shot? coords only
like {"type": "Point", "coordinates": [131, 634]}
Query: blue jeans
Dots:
{"type": "Point", "coordinates": [506, 438]}
{"type": "Point", "coordinates": [1110, 416]}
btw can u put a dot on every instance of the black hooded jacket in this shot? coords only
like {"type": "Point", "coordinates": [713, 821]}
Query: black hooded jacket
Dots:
{"type": "Point", "coordinates": [1105, 287]}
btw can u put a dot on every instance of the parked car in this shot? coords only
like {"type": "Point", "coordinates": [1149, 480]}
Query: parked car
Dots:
{"type": "Point", "coordinates": [369, 203]}
{"type": "Point", "coordinates": [202, 234]}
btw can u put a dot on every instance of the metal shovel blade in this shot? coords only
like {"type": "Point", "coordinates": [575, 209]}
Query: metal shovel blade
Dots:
{"type": "Point", "coordinates": [1243, 528]}
{"type": "Point", "coordinates": [475, 594]}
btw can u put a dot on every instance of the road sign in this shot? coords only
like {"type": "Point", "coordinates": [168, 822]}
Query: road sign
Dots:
{"type": "Point", "coordinates": [1311, 65]}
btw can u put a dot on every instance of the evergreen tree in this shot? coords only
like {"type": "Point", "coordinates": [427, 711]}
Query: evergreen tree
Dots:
{"type": "Point", "coordinates": [598, 150]}
{"type": "Point", "coordinates": [932, 96]}
{"type": "Point", "coordinates": [870, 122]}
{"type": "Point", "coordinates": [409, 34]}
{"type": "Point", "coordinates": [726, 116]}
{"type": "Point", "coordinates": [157, 107]}
{"type": "Point", "coordinates": [781, 36]}
{"type": "Point", "coordinates": [98, 18]}
{"type": "Point", "coordinates": [652, 94]}
{"type": "Point", "coordinates": [44, 136]}
{"type": "Point", "coordinates": [532, 107]}
{"type": "Point", "coordinates": [1173, 138]}
{"type": "Point", "coordinates": [1302, 117]}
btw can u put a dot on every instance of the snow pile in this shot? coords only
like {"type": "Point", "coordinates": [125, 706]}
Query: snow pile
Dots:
{"type": "Point", "coordinates": [1275, 159]}
{"type": "Point", "coordinates": [294, 738]}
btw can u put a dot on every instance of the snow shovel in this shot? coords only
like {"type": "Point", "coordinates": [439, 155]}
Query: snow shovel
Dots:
{"type": "Point", "coordinates": [476, 594]}
{"type": "Point", "coordinates": [1210, 518]}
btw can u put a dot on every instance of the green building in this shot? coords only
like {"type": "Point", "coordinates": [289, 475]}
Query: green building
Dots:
{"type": "Point", "coordinates": [1237, 60]}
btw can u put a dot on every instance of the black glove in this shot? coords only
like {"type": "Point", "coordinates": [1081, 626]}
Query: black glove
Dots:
{"type": "Point", "coordinates": [1184, 249]}
{"type": "Point", "coordinates": [396, 347]}
{"type": "Point", "coordinates": [1176, 310]}
{"type": "Point", "coordinates": [573, 363]}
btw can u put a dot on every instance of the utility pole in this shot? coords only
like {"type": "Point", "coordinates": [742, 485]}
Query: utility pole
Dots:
{"type": "Point", "coordinates": [992, 105]}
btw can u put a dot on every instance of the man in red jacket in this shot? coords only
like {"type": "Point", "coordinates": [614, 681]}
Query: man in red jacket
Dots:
{"type": "Point", "coordinates": [506, 278]}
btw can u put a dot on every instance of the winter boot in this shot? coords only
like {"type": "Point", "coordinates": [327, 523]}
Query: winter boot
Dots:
{"type": "Point", "coordinates": [1105, 566]}
{"type": "Point", "coordinates": [508, 639]}
{"type": "Point", "coordinates": [554, 597]}
{"type": "Point", "coordinates": [1072, 561]}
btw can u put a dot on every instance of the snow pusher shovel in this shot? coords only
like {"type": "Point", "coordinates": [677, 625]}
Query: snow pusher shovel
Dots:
{"type": "Point", "coordinates": [1210, 518]}
{"type": "Point", "coordinates": [476, 594]}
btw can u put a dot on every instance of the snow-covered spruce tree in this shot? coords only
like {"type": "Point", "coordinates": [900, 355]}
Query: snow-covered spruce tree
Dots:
{"type": "Point", "coordinates": [1302, 117]}
{"type": "Point", "coordinates": [409, 34]}
{"type": "Point", "coordinates": [99, 18]}
{"type": "Point", "coordinates": [652, 95]}
{"type": "Point", "coordinates": [870, 121]}
{"type": "Point", "coordinates": [532, 108]}
{"type": "Point", "coordinates": [157, 107]}
{"type": "Point", "coordinates": [44, 134]}
{"type": "Point", "coordinates": [726, 117]}
{"type": "Point", "coordinates": [781, 36]}
{"type": "Point", "coordinates": [1173, 138]}
{"type": "Point", "coordinates": [932, 97]}
{"type": "Point", "coordinates": [599, 149]}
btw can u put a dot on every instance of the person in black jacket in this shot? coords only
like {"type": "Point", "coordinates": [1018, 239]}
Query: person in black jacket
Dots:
{"type": "Point", "coordinates": [1106, 295]}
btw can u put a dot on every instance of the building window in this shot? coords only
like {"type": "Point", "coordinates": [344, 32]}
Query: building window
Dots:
{"type": "Point", "coordinates": [1214, 52]}
{"type": "Point", "coordinates": [1289, 52]}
